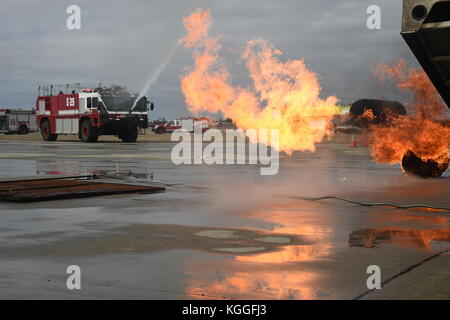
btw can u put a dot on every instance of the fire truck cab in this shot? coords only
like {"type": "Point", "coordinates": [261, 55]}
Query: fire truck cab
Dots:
{"type": "Point", "coordinates": [90, 113]}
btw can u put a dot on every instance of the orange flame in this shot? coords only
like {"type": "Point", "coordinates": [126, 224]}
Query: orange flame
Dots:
{"type": "Point", "coordinates": [420, 132]}
{"type": "Point", "coordinates": [283, 96]}
{"type": "Point", "coordinates": [427, 102]}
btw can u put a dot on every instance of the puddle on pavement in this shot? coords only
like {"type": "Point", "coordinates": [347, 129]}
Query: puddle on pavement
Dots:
{"type": "Point", "coordinates": [71, 167]}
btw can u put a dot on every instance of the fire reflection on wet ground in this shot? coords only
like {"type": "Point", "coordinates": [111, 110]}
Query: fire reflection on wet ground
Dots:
{"type": "Point", "coordinates": [297, 272]}
{"type": "Point", "coordinates": [422, 239]}
{"type": "Point", "coordinates": [280, 274]}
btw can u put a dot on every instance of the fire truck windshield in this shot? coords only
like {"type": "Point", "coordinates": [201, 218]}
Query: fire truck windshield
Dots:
{"type": "Point", "coordinates": [124, 103]}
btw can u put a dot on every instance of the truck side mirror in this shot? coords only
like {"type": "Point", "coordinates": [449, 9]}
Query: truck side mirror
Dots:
{"type": "Point", "coordinates": [152, 106]}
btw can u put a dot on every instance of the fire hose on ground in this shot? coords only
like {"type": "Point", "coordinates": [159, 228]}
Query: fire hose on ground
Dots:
{"type": "Point", "coordinates": [375, 204]}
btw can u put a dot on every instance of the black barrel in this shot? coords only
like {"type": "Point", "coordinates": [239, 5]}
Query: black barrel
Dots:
{"type": "Point", "coordinates": [382, 111]}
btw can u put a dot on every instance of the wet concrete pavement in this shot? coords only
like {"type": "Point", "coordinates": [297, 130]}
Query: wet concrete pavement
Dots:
{"type": "Point", "coordinates": [223, 231]}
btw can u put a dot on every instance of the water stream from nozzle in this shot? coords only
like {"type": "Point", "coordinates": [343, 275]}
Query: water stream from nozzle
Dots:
{"type": "Point", "coordinates": [156, 73]}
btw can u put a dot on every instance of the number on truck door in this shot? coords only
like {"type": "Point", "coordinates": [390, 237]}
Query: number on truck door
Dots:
{"type": "Point", "coordinates": [70, 102]}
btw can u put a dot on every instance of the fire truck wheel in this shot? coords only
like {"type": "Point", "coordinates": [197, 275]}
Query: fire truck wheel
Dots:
{"type": "Point", "coordinates": [88, 133]}
{"type": "Point", "coordinates": [131, 136]}
{"type": "Point", "coordinates": [23, 129]}
{"type": "Point", "coordinates": [45, 132]}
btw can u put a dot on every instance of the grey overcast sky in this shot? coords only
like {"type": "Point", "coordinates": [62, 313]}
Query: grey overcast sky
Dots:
{"type": "Point", "coordinates": [124, 42]}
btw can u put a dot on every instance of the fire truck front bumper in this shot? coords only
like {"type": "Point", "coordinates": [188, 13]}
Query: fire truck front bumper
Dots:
{"type": "Point", "coordinates": [116, 123]}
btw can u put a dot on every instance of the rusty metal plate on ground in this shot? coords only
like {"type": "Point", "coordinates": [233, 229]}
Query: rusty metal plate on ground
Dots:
{"type": "Point", "coordinates": [32, 191]}
{"type": "Point", "coordinates": [29, 185]}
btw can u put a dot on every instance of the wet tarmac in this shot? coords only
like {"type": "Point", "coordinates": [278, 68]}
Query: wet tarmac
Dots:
{"type": "Point", "coordinates": [223, 231]}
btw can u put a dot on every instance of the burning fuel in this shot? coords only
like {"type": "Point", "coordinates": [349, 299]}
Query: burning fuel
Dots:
{"type": "Point", "coordinates": [419, 142]}
{"type": "Point", "coordinates": [286, 96]}
{"type": "Point", "coordinates": [282, 96]}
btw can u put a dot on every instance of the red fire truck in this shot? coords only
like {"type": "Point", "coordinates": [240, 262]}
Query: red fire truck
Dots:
{"type": "Point", "coordinates": [90, 113]}
{"type": "Point", "coordinates": [17, 121]}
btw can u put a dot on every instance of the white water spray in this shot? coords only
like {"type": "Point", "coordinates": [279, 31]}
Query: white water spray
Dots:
{"type": "Point", "coordinates": [155, 75]}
